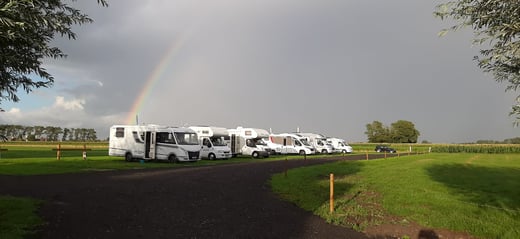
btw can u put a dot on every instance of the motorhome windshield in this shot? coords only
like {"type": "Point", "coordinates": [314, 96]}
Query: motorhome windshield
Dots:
{"type": "Point", "coordinates": [186, 138]}
{"type": "Point", "coordinates": [218, 141]}
{"type": "Point", "coordinates": [304, 142]}
{"type": "Point", "coordinates": [259, 141]}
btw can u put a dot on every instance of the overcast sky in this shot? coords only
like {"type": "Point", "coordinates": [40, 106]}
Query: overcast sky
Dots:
{"type": "Point", "coordinates": [328, 66]}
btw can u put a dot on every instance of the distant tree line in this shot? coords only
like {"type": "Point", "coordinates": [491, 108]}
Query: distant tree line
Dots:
{"type": "Point", "coordinates": [401, 131]}
{"type": "Point", "coordinates": [46, 133]}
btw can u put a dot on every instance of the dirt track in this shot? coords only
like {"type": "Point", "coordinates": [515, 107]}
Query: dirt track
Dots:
{"type": "Point", "coordinates": [224, 201]}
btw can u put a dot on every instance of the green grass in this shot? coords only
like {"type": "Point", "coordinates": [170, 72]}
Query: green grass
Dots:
{"type": "Point", "coordinates": [474, 193]}
{"type": "Point", "coordinates": [17, 217]}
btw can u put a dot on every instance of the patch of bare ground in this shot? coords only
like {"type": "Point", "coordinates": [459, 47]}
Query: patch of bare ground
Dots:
{"type": "Point", "coordinates": [413, 231]}
{"type": "Point", "coordinates": [362, 211]}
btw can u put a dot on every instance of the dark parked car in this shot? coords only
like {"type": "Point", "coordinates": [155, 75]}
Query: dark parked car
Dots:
{"type": "Point", "coordinates": [383, 148]}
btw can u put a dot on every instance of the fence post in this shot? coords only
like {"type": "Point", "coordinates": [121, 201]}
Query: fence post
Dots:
{"type": "Point", "coordinates": [58, 152]}
{"type": "Point", "coordinates": [366, 152]}
{"type": "Point", "coordinates": [331, 193]}
{"type": "Point", "coordinates": [84, 151]}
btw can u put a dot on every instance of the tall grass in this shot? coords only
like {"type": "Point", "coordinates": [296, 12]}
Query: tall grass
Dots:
{"type": "Point", "coordinates": [444, 148]}
{"type": "Point", "coordinates": [477, 148]}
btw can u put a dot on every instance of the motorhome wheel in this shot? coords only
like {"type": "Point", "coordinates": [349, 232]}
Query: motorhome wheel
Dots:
{"type": "Point", "coordinates": [302, 152]}
{"type": "Point", "coordinates": [172, 158]}
{"type": "Point", "coordinates": [344, 151]}
{"type": "Point", "coordinates": [324, 151]}
{"type": "Point", "coordinates": [128, 157]}
{"type": "Point", "coordinates": [255, 154]}
{"type": "Point", "coordinates": [212, 156]}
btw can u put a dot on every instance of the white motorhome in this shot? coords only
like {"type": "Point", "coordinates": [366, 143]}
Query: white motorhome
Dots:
{"type": "Point", "coordinates": [248, 141]}
{"type": "Point", "coordinates": [274, 148]}
{"type": "Point", "coordinates": [318, 141]}
{"type": "Point", "coordinates": [292, 144]}
{"type": "Point", "coordinates": [339, 145]}
{"type": "Point", "coordinates": [212, 142]}
{"type": "Point", "coordinates": [154, 142]}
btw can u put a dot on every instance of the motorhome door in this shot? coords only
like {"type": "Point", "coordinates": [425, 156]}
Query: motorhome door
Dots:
{"type": "Point", "coordinates": [149, 142]}
{"type": "Point", "coordinates": [152, 144]}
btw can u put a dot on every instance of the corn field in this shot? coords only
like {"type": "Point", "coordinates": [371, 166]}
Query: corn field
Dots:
{"type": "Point", "coordinates": [443, 148]}
{"type": "Point", "coordinates": [477, 148]}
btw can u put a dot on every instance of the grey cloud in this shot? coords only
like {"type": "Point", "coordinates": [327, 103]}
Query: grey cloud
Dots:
{"type": "Point", "coordinates": [325, 66]}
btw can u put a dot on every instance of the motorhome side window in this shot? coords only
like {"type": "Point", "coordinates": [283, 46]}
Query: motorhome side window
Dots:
{"type": "Point", "coordinates": [137, 138]}
{"type": "Point", "coordinates": [218, 141]}
{"type": "Point", "coordinates": [165, 137]}
{"type": "Point", "coordinates": [206, 142]}
{"type": "Point", "coordinates": [250, 143]}
{"type": "Point", "coordinates": [120, 132]}
{"type": "Point", "coordinates": [297, 143]}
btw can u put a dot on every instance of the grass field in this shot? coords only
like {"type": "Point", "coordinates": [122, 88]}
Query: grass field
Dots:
{"type": "Point", "coordinates": [474, 193]}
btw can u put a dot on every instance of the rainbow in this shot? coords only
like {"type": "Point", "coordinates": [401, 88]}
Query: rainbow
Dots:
{"type": "Point", "coordinates": [153, 78]}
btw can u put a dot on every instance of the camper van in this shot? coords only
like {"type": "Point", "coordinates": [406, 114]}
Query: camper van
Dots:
{"type": "Point", "coordinates": [318, 141]}
{"type": "Point", "coordinates": [292, 144]}
{"type": "Point", "coordinates": [339, 145]}
{"type": "Point", "coordinates": [248, 141]}
{"type": "Point", "coordinates": [154, 142]}
{"type": "Point", "coordinates": [212, 142]}
{"type": "Point", "coordinates": [274, 148]}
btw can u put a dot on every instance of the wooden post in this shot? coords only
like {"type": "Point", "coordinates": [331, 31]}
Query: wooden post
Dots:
{"type": "Point", "coordinates": [58, 152]}
{"type": "Point", "coordinates": [331, 192]}
{"type": "Point", "coordinates": [366, 153]}
{"type": "Point", "coordinates": [385, 154]}
{"type": "Point", "coordinates": [84, 151]}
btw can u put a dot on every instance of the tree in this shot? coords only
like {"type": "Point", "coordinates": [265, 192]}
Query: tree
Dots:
{"type": "Point", "coordinates": [496, 22]}
{"type": "Point", "coordinates": [403, 131]}
{"type": "Point", "coordinates": [26, 29]}
{"type": "Point", "coordinates": [377, 132]}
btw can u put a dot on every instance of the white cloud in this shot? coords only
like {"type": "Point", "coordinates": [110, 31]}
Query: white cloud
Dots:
{"type": "Point", "coordinates": [65, 113]}
{"type": "Point", "coordinates": [72, 105]}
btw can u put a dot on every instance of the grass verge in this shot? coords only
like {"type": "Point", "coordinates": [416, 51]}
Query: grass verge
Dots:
{"type": "Point", "coordinates": [18, 218]}
{"type": "Point", "coordinates": [473, 193]}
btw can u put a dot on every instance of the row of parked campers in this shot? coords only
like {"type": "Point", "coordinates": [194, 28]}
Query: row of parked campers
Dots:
{"type": "Point", "coordinates": [154, 142]}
